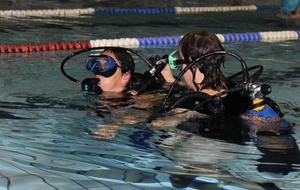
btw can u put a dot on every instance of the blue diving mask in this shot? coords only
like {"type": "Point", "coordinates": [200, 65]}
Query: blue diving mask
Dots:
{"type": "Point", "coordinates": [175, 61]}
{"type": "Point", "coordinates": [101, 65]}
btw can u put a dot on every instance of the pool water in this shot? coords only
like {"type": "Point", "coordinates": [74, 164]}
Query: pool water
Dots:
{"type": "Point", "coordinates": [54, 136]}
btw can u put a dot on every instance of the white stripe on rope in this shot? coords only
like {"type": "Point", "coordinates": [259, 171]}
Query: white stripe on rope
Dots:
{"type": "Point", "coordinates": [132, 42]}
{"type": "Point", "coordinates": [46, 12]}
{"type": "Point", "coordinates": [279, 36]}
{"type": "Point", "coordinates": [215, 9]}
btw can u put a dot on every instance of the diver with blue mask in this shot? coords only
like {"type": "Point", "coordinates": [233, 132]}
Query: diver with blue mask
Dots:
{"type": "Point", "coordinates": [114, 68]}
{"type": "Point", "coordinates": [113, 71]}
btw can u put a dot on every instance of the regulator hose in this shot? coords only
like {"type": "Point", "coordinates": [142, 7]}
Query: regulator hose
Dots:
{"type": "Point", "coordinates": [253, 77]}
{"type": "Point", "coordinates": [189, 96]}
{"type": "Point", "coordinates": [206, 97]}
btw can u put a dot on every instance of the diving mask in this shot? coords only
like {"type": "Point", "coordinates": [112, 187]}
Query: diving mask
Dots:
{"type": "Point", "coordinates": [101, 65]}
{"type": "Point", "coordinates": [174, 60]}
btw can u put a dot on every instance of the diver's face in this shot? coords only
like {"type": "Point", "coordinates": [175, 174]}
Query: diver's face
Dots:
{"type": "Point", "coordinates": [193, 77]}
{"type": "Point", "coordinates": [116, 82]}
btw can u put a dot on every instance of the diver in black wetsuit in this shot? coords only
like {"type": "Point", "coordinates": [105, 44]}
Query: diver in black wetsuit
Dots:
{"type": "Point", "coordinates": [199, 56]}
{"type": "Point", "coordinates": [113, 70]}
{"type": "Point", "coordinates": [236, 112]}
{"type": "Point", "coordinates": [230, 105]}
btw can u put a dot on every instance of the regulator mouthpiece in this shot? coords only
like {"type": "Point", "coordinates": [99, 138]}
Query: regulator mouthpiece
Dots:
{"type": "Point", "coordinates": [91, 85]}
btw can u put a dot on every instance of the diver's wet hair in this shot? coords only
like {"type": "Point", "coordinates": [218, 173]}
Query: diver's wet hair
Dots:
{"type": "Point", "coordinates": [195, 44]}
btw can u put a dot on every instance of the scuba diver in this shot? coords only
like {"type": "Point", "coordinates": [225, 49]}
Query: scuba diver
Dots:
{"type": "Point", "coordinates": [117, 87]}
{"type": "Point", "coordinates": [114, 70]}
{"type": "Point", "coordinates": [222, 108]}
{"type": "Point", "coordinates": [228, 106]}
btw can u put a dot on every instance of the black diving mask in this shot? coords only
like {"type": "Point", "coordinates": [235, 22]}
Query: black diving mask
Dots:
{"type": "Point", "coordinates": [101, 65]}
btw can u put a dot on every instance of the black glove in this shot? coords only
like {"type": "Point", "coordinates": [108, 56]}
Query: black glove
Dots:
{"type": "Point", "coordinates": [159, 67]}
{"type": "Point", "coordinates": [165, 57]}
{"type": "Point", "coordinates": [153, 60]}
{"type": "Point", "coordinates": [90, 85]}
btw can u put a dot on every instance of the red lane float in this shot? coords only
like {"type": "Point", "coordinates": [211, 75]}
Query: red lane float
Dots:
{"type": "Point", "coordinates": [47, 46]}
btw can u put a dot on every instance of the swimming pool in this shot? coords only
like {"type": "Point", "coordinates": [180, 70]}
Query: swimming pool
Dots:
{"type": "Point", "coordinates": [50, 139]}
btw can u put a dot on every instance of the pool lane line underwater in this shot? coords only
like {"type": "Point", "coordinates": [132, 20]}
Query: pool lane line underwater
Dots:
{"type": "Point", "coordinates": [146, 41]}
{"type": "Point", "coordinates": [77, 12]}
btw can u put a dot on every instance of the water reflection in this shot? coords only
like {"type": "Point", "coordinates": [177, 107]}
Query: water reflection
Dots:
{"type": "Point", "coordinates": [206, 162]}
{"type": "Point", "coordinates": [280, 154]}
{"type": "Point", "coordinates": [52, 149]}
{"type": "Point", "coordinates": [233, 149]}
{"type": "Point", "coordinates": [212, 154]}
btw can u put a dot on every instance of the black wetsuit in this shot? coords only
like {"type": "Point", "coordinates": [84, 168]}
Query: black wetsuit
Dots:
{"type": "Point", "coordinates": [226, 125]}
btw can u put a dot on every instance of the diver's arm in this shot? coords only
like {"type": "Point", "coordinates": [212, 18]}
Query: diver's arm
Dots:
{"type": "Point", "coordinates": [167, 74]}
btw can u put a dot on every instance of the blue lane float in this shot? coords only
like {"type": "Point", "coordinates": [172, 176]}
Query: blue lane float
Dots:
{"type": "Point", "coordinates": [137, 10]}
{"type": "Point", "coordinates": [188, 9]}
{"type": "Point", "coordinates": [159, 40]}
{"type": "Point", "coordinates": [260, 7]}
{"type": "Point", "coordinates": [242, 37]}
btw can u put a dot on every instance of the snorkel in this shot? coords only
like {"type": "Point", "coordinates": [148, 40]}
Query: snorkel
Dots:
{"type": "Point", "coordinates": [247, 86]}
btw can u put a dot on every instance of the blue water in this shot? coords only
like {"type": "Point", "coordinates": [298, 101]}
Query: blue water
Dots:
{"type": "Point", "coordinates": [54, 136]}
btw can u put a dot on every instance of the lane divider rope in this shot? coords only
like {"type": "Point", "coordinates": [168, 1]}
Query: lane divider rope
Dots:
{"type": "Point", "coordinates": [77, 12]}
{"type": "Point", "coordinates": [146, 41]}
{"type": "Point", "coordinates": [46, 12]}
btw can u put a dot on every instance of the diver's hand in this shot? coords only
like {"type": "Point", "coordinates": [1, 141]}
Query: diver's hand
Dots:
{"type": "Point", "coordinates": [166, 72]}
{"type": "Point", "coordinates": [154, 60]}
